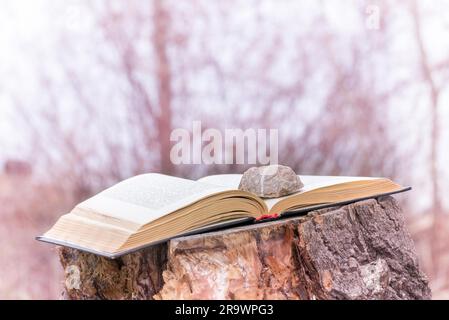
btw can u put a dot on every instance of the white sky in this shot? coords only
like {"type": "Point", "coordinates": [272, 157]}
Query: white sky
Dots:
{"type": "Point", "coordinates": [29, 29]}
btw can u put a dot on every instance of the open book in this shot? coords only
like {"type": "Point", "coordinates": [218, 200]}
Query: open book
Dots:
{"type": "Point", "coordinates": [151, 208]}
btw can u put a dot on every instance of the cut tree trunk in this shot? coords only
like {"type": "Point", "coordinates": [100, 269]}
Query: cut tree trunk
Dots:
{"type": "Point", "coordinates": [357, 251]}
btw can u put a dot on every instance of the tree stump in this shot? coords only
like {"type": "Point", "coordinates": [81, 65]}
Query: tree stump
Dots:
{"type": "Point", "coordinates": [357, 251]}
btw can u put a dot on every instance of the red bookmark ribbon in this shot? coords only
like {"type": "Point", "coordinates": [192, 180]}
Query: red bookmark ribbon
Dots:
{"type": "Point", "coordinates": [267, 216]}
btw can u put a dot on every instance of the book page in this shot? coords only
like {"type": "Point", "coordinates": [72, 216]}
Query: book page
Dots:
{"type": "Point", "coordinates": [232, 181]}
{"type": "Point", "coordinates": [144, 198]}
{"type": "Point", "coordinates": [310, 183]}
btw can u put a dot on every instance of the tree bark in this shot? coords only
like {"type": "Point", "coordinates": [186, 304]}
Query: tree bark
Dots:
{"type": "Point", "coordinates": [357, 251]}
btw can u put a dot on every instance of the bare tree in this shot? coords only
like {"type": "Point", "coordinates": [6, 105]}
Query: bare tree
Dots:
{"type": "Point", "coordinates": [161, 18]}
{"type": "Point", "coordinates": [434, 93]}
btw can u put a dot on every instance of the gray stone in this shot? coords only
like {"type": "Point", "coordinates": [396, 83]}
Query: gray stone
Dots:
{"type": "Point", "coordinates": [270, 181]}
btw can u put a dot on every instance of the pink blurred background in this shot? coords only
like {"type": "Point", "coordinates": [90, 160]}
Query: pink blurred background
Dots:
{"type": "Point", "coordinates": [91, 90]}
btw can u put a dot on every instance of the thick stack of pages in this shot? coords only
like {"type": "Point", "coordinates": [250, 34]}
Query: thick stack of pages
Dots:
{"type": "Point", "coordinates": [150, 208]}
